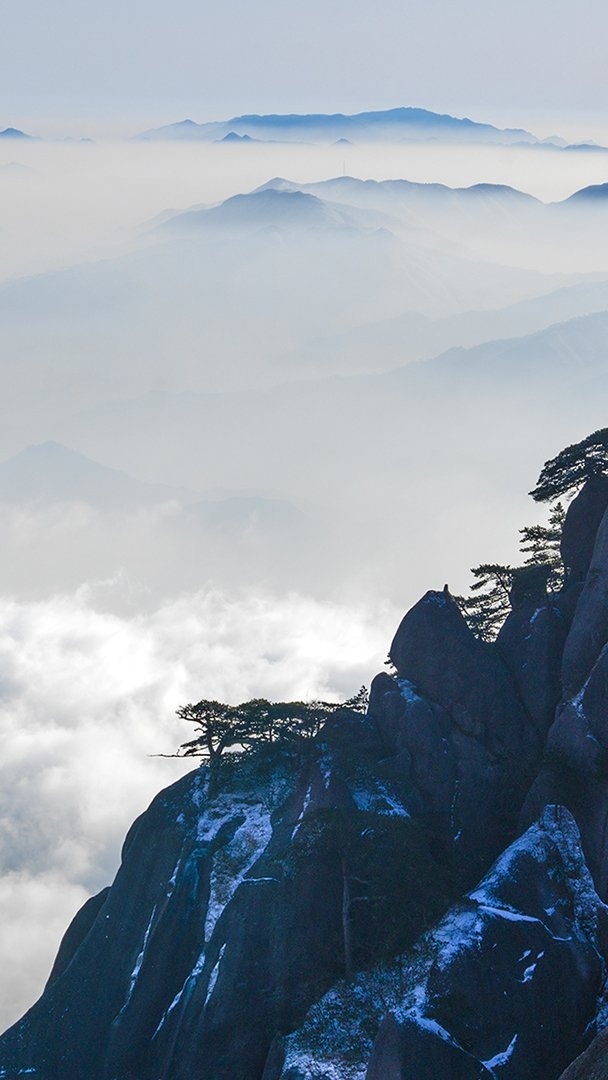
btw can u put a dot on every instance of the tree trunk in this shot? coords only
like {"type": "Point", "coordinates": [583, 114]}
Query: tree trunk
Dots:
{"type": "Point", "coordinates": [346, 927]}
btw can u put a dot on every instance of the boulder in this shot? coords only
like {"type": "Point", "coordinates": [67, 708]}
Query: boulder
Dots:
{"type": "Point", "coordinates": [589, 631]}
{"type": "Point", "coordinates": [581, 525]}
{"type": "Point", "coordinates": [531, 643]}
{"type": "Point", "coordinates": [454, 719]}
{"type": "Point", "coordinates": [435, 650]}
{"type": "Point", "coordinates": [505, 985]}
{"type": "Point", "coordinates": [420, 1048]}
{"type": "Point", "coordinates": [576, 770]}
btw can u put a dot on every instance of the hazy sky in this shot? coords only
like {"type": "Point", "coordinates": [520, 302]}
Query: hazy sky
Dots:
{"type": "Point", "coordinates": [124, 64]}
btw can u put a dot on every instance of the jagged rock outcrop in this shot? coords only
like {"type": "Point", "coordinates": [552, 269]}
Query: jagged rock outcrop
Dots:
{"type": "Point", "coordinates": [76, 933]}
{"type": "Point", "coordinates": [589, 631]}
{"type": "Point", "coordinates": [505, 985]}
{"type": "Point", "coordinates": [531, 643]}
{"type": "Point", "coordinates": [454, 716]}
{"type": "Point", "coordinates": [581, 525]}
{"type": "Point", "coordinates": [575, 770]}
{"type": "Point", "coordinates": [232, 912]}
{"type": "Point", "coordinates": [297, 912]}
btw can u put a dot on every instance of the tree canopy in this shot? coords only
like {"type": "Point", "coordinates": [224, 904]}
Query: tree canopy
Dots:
{"type": "Point", "coordinates": [541, 545]}
{"type": "Point", "coordinates": [491, 593]}
{"type": "Point", "coordinates": [259, 722]}
{"type": "Point", "coordinates": [487, 606]}
{"type": "Point", "coordinates": [569, 469]}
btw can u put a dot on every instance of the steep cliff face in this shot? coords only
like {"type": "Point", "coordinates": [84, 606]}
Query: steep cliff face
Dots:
{"type": "Point", "coordinates": [453, 712]}
{"type": "Point", "coordinates": [582, 522]}
{"type": "Point", "coordinates": [575, 771]}
{"type": "Point", "coordinates": [232, 912]}
{"type": "Point", "coordinates": [478, 995]}
{"type": "Point", "coordinates": [298, 914]}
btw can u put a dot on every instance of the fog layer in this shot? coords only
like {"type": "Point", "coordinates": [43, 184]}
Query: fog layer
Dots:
{"type": "Point", "coordinates": [251, 409]}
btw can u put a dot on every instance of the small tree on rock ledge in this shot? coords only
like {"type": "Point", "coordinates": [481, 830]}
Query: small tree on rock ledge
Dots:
{"type": "Point", "coordinates": [569, 469]}
{"type": "Point", "coordinates": [259, 722]}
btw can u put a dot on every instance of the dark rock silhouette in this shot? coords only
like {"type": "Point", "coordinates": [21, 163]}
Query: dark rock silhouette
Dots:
{"type": "Point", "coordinates": [477, 996]}
{"type": "Point", "coordinates": [411, 1046]}
{"type": "Point", "coordinates": [531, 643]}
{"type": "Point", "coordinates": [589, 630]}
{"type": "Point", "coordinates": [454, 715]}
{"type": "Point", "coordinates": [297, 913]}
{"type": "Point", "coordinates": [581, 524]}
{"type": "Point", "coordinates": [575, 769]}
{"type": "Point", "coordinates": [227, 920]}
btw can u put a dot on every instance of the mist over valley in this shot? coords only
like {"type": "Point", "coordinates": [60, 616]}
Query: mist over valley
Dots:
{"type": "Point", "coordinates": [258, 394]}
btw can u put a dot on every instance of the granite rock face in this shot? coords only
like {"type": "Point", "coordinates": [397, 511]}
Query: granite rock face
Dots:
{"type": "Point", "coordinates": [232, 912]}
{"type": "Point", "coordinates": [575, 770]}
{"type": "Point", "coordinates": [310, 912]}
{"type": "Point", "coordinates": [589, 631]}
{"type": "Point", "coordinates": [454, 714]}
{"type": "Point", "coordinates": [505, 985]}
{"type": "Point", "coordinates": [581, 525]}
{"type": "Point", "coordinates": [531, 643]}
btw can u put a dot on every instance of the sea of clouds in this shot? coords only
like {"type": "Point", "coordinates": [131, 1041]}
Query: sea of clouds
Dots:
{"type": "Point", "coordinates": [88, 698]}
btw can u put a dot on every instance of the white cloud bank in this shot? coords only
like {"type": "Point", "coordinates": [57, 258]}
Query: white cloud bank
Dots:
{"type": "Point", "coordinates": [86, 697]}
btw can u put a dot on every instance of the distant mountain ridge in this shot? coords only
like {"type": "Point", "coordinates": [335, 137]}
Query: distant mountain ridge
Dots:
{"type": "Point", "coordinates": [404, 123]}
{"type": "Point", "coordinates": [14, 133]}
{"type": "Point", "coordinates": [281, 201]}
{"type": "Point", "coordinates": [594, 193]}
{"type": "Point", "coordinates": [50, 472]}
{"type": "Point", "coordinates": [267, 206]}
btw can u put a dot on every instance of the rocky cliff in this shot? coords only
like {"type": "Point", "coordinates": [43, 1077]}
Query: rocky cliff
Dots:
{"type": "Point", "coordinates": [416, 893]}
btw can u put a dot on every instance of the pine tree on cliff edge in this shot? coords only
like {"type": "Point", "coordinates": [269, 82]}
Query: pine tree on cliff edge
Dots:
{"type": "Point", "coordinates": [575, 464]}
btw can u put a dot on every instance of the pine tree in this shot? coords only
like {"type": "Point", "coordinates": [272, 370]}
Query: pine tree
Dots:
{"type": "Point", "coordinates": [487, 607]}
{"type": "Point", "coordinates": [489, 602]}
{"type": "Point", "coordinates": [541, 545]}
{"type": "Point", "coordinates": [253, 724]}
{"type": "Point", "coordinates": [569, 469]}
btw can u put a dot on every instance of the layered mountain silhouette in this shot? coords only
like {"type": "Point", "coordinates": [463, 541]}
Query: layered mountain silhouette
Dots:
{"type": "Point", "coordinates": [401, 124]}
{"type": "Point", "coordinates": [269, 206]}
{"type": "Point", "coordinates": [595, 193]}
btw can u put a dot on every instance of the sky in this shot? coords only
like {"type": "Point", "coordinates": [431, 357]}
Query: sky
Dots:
{"type": "Point", "coordinates": [74, 68]}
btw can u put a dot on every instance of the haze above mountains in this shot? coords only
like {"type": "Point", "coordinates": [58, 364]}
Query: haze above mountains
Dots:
{"type": "Point", "coordinates": [251, 404]}
{"type": "Point", "coordinates": [238, 346]}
